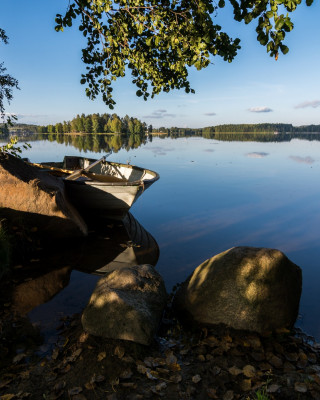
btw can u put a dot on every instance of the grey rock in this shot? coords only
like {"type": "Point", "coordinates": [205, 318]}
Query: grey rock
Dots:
{"type": "Point", "coordinates": [126, 304]}
{"type": "Point", "coordinates": [246, 288]}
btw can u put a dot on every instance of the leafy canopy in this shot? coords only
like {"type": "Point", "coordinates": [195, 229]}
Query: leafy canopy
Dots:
{"type": "Point", "coordinates": [7, 83]}
{"type": "Point", "coordinates": [157, 40]}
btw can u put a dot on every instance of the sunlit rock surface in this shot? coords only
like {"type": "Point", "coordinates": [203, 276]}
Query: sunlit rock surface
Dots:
{"type": "Point", "coordinates": [126, 304]}
{"type": "Point", "coordinates": [247, 288]}
{"type": "Point", "coordinates": [37, 198]}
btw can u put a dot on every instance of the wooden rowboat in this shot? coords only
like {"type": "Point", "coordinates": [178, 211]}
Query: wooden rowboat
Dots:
{"type": "Point", "coordinates": [100, 186]}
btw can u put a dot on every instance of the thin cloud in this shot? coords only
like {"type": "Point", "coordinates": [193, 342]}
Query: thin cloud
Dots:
{"type": "Point", "coordinates": [305, 104]}
{"type": "Point", "coordinates": [160, 111]}
{"type": "Point", "coordinates": [257, 154]}
{"type": "Point", "coordinates": [260, 109]}
{"type": "Point", "coordinates": [210, 114]}
{"type": "Point", "coordinates": [159, 114]}
{"type": "Point", "coordinates": [22, 116]}
{"type": "Point", "coordinates": [302, 160]}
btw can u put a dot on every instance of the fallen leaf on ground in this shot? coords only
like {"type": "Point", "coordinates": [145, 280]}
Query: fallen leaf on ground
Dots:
{"type": "Point", "coordinates": [83, 337]}
{"type": "Point", "coordinates": [101, 356]}
{"type": "Point", "coordinates": [300, 387]}
{"type": "Point", "coordinates": [249, 371]}
{"type": "Point", "coordinates": [119, 351]}
{"type": "Point", "coordinates": [18, 358]}
{"type": "Point", "coordinates": [235, 371]}
{"type": "Point", "coordinates": [7, 396]}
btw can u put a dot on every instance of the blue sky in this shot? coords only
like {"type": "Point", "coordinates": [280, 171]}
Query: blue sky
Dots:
{"type": "Point", "coordinates": [254, 88]}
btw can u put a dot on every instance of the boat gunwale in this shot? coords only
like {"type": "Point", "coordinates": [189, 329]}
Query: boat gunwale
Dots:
{"type": "Point", "coordinates": [140, 182]}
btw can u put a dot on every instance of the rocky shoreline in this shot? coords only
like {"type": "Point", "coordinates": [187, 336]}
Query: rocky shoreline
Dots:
{"type": "Point", "coordinates": [218, 363]}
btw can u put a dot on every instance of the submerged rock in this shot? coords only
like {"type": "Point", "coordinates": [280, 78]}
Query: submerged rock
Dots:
{"type": "Point", "coordinates": [126, 304]}
{"type": "Point", "coordinates": [246, 288]}
{"type": "Point", "coordinates": [37, 198]}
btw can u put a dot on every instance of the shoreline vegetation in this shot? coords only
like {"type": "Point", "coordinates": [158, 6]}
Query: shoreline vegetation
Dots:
{"type": "Point", "coordinates": [111, 124]}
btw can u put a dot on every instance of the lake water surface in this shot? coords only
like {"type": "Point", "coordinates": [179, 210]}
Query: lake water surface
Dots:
{"type": "Point", "coordinates": [213, 195]}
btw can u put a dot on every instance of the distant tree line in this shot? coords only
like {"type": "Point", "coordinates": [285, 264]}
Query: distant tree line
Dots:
{"type": "Point", "coordinates": [96, 123]}
{"type": "Point", "coordinates": [256, 128]}
{"type": "Point", "coordinates": [239, 128]}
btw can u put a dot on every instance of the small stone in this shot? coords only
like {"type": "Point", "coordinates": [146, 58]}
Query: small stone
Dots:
{"type": "Point", "coordinates": [201, 357]}
{"type": "Point", "coordinates": [196, 378]}
{"type": "Point", "coordinates": [273, 388]}
{"type": "Point", "coordinates": [300, 387]}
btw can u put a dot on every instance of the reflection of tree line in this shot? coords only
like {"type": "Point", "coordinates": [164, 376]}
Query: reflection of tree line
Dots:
{"type": "Point", "coordinates": [114, 143]}
{"type": "Point", "coordinates": [97, 143]}
{"type": "Point", "coordinates": [246, 137]}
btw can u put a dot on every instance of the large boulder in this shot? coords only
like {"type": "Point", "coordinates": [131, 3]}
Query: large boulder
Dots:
{"type": "Point", "coordinates": [38, 198]}
{"type": "Point", "coordinates": [245, 288]}
{"type": "Point", "coordinates": [127, 304]}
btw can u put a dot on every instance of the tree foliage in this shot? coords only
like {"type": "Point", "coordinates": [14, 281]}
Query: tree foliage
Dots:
{"type": "Point", "coordinates": [96, 123]}
{"type": "Point", "coordinates": [158, 40]}
{"type": "Point", "coordinates": [7, 83]}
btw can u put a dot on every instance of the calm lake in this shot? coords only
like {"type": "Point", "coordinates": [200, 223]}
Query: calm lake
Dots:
{"type": "Point", "coordinates": [212, 195]}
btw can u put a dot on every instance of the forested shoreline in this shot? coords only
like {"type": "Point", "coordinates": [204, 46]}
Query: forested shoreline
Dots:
{"type": "Point", "coordinates": [112, 123]}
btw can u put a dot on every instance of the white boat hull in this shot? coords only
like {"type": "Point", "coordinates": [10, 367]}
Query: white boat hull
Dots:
{"type": "Point", "coordinates": [106, 188]}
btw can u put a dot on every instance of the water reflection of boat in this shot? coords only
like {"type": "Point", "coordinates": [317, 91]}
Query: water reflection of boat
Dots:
{"type": "Point", "coordinates": [118, 244]}
{"type": "Point", "coordinates": [101, 186]}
